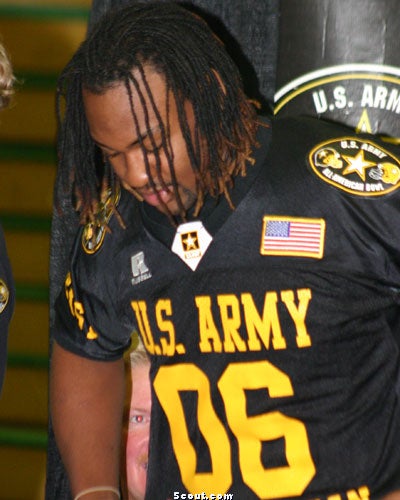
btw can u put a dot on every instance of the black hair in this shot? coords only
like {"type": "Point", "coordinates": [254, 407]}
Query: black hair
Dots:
{"type": "Point", "coordinates": [179, 45]}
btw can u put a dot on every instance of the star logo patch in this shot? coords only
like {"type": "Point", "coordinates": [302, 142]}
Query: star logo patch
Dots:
{"type": "Point", "coordinates": [191, 242]}
{"type": "Point", "coordinates": [357, 166]}
{"type": "Point", "coordinates": [94, 232]}
{"type": "Point", "coordinates": [4, 295]}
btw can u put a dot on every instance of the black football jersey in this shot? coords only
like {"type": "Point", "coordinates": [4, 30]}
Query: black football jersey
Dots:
{"type": "Point", "coordinates": [7, 300]}
{"type": "Point", "coordinates": [275, 340]}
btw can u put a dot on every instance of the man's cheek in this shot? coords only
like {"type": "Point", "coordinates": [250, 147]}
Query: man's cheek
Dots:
{"type": "Point", "coordinates": [137, 447]}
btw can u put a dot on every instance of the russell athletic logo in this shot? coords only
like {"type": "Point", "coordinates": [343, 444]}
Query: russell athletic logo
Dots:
{"type": "Point", "coordinates": [140, 271]}
{"type": "Point", "coordinates": [357, 166]}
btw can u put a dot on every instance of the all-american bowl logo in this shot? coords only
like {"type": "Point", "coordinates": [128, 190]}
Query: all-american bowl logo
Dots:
{"type": "Point", "coordinates": [4, 295]}
{"type": "Point", "coordinates": [357, 166]}
{"type": "Point", "coordinates": [364, 96]}
{"type": "Point", "coordinates": [94, 232]}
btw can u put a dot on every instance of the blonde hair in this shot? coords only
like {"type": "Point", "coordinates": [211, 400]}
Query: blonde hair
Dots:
{"type": "Point", "coordinates": [135, 357]}
{"type": "Point", "coordinates": [6, 78]}
{"type": "Point", "coordinates": [138, 354]}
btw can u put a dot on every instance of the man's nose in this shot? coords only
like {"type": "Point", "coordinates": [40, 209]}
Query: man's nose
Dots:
{"type": "Point", "coordinates": [137, 173]}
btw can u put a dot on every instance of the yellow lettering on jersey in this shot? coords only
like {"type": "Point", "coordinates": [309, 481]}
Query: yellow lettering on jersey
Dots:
{"type": "Point", "coordinates": [263, 331]}
{"type": "Point", "coordinates": [140, 309]}
{"type": "Point", "coordinates": [91, 334]}
{"type": "Point", "coordinates": [298, 313]}
{"type": "Point", "coordinates": [263, 328]}
{"type": "Point", "coordinates": [69, 293]}
{"type": "Point", "coordinates": [209, 337]}
{"type": "Point", "coordinates": [164, 306]}
{"type": "Point", "coordinates": [77, 309]}
{"type": "Point", "coordinates": [360, 494]}
{"type": "Point", "coordinates": [230, 317]}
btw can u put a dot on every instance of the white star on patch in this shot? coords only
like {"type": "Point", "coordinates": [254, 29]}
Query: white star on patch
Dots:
{"type": "Point", "coordinates": [357, 164]}
{"type": "Point", "coordinates": [191, 242]}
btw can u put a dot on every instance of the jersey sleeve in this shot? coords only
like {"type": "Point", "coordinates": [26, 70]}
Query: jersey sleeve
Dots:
{"type": "Point", "coordinates": [87, 321]}
{"type": "Point", "coordinates": [7, 299]}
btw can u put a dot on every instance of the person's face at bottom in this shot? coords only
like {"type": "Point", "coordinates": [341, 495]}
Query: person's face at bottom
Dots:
{"type": "Point", "coordinates": [137, 442]}
{"type": "Point", "coordinates": [113, 129]}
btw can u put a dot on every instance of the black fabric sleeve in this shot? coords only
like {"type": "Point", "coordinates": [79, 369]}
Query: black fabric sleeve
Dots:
{"type": "Point", "coordinates": [86, 320]}
{"type": "Point", "coordinates": [7, 299]}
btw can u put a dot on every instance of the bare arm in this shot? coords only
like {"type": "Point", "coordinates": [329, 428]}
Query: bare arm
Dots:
{"type": "Point", "coordinates": [86, 402]}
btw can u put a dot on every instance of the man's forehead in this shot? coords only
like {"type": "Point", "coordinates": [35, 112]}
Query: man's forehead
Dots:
{"type": "Point", "coordinates": [139, 105]}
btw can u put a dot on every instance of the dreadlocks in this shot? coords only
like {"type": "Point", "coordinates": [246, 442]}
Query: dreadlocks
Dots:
{"type": "Point", "coordinates": [196, 68]}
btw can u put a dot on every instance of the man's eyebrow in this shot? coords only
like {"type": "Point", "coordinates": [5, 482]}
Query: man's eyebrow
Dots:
{"type": "Point", "coordinates": [133, 143]}
{"type": "Point", "coordinates": [136, 141]}
{"type": "Point", "coordinates": [140, 410]}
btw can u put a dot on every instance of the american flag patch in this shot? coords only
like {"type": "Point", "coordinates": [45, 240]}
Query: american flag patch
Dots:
{"type": "Point", "coordinates": [293, 237]}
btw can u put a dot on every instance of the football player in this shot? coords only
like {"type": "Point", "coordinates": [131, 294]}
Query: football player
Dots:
{"type": "Point", "coordinates": [265, 284]}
